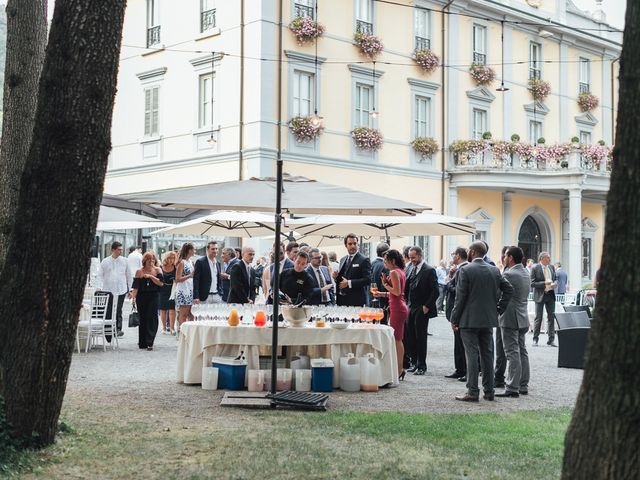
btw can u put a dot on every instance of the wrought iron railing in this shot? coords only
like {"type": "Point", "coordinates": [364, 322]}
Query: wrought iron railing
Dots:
{"type": "Point", "coordinates": [422, 43]}
{"type": "Point", "coordinates": [479, 58]}
{"type": "Point", "coordinates": [153, 36]}
{"type": "Point", "coordinates": [363, 27]}
{"type": "Point", "coordinates": [583, 87]}
{"type": "Point", "coordinates": [207, 20]}
{"type": "Point", "coordinates": [303, 10]}
{"type": "Point", "coordinates": [534, 73]}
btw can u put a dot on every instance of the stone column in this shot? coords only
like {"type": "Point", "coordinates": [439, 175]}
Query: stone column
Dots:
{"type": "Point", "coordinates": [507, 227]}
{"type": "Point", "coordinates": [564, 232]}
{"type": "Point", "coordinates": [452, 209]}
{"type": "Point", "coordinates": [575, 239]}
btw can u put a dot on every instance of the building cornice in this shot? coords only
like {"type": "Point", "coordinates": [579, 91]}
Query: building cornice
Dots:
{"type": "Point", "coordinates": [155, 74]}
{"type": "Point", "coordinates": [304, 57]}
{"type": "Point", "coordinates": [414, 82]}
{"type": "Point", "coordinates": [360, 70]}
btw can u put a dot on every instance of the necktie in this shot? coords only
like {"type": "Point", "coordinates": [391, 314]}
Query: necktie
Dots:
{"type": "Point", "coordinates": [348, 264]}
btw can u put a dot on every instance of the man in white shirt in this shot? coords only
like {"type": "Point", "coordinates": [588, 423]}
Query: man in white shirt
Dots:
{"type": "Point", "coordinates": [322, 283]}
{"type": "Point", "coordinates": [207, 283]}
{"type": "Point", "coordinates": [135, 260]}
{"type": "Point", "coordinates": [114, 276]}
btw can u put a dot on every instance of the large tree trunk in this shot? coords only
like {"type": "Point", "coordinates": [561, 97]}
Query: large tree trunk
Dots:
{"type": "Point", "coordinates": [603, 438]}
{"type": "Point", "coordinates": [61, 188]}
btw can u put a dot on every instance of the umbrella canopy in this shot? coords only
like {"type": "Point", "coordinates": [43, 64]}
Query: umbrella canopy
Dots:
{"type": "Point", "coordinates": [300, 196]}
{"type": "Point", "coordinates": [111, 218]}
{"type": "Point", "coordinates": [425, 223]}
{"type": "Point", "coordinates": [225, 223]}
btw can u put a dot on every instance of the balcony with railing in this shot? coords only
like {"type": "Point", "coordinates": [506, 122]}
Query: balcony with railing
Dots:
{"type": "Point", "coordinates": [534, 161]}
{"type": "Point", "coordinates": [303, 10]}
{"type": "Point", "coordinates": [479, 58]}
{"type": "Point", "coordinates": [422, 43]}
{"type": "Point", "coordinates": [534, 73]}
{"type": "Point", "coordinates": [153, 36]}
{"type": "Point", "coordinates": [363, 27]}
{"type": "Point", "coordinates": [208, 20]}
{"type": "Point", "coordinates": [583, 87]}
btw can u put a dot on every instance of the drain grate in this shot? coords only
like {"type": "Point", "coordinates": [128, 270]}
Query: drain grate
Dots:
{"type": "Point", "coordinates": [300, 400]}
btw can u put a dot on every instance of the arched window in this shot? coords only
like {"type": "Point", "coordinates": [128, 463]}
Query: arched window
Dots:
{"type": "Point", "coordinates": [530, 238]}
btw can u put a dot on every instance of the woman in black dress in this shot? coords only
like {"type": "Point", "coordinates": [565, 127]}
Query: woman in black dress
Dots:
{"type": "Point", "coordinates": [168, 306]}
{"type": "Point", "coordinates": [146, 285]}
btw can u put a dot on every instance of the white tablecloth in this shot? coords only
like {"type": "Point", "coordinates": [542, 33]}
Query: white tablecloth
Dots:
{"type": "Point", "coordinates": [200, 341]}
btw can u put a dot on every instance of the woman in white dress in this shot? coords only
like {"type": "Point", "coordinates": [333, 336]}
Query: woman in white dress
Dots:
{"type": "Point", "coordinates": [184, 283]}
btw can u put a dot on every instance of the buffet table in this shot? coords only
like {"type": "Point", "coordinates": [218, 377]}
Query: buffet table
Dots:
{"type": "Point", "coordinates": [202, 340]}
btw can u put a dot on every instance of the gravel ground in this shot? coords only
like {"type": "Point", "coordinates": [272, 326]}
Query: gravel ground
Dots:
{"type": "Point", "coordinates": [148, 380]}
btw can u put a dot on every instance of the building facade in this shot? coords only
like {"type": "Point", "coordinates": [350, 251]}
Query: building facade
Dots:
{"type": "Point", "coordinates": [207, 93]}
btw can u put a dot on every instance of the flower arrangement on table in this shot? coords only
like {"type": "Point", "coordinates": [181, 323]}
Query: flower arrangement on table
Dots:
{"type": "Point", "coordinates": [369, 45]}
{"type": "Point", "coordinates": [587, 101]}
{"type": "Point", "coordinates": [367, 138]}
{"type": "Point", "coordinates": [425, 146]}
{"type": "Point", "coordinates": [539, 89]}
{"type": "Point", "coordinates": [482, 74]}
{"type": "Point", "coordinates": [306, 30]}
{"type": "Point", "coordinates": [303, 129]}
{"type": "Point", "coordinates": [426, 59]}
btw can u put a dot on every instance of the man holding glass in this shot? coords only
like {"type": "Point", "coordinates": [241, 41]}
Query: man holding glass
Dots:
{"type": "Point", "coordinates": [322, 293]}
{"type": "Point", "coordinates": [354, 275]}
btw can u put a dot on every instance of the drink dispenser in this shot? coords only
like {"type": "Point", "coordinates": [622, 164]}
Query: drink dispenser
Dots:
{"type": "Point", "coordinates": [349, 373]}
{"type": "Point", "coordinates": [369, 373]}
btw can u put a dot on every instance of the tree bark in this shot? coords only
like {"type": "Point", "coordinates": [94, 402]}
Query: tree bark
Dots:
{"type": "Point", "coordinates": [26, 42]}
{"type": "Point", "coordinates": [61, 188]}
{"type": "Point", "coordinates": [604, 434]}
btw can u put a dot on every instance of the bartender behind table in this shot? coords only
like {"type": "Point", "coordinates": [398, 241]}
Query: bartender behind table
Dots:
{"type": "Point", "coordinates": [296, 282]}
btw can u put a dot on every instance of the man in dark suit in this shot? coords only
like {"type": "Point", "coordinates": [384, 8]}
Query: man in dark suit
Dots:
{"type": "Point", "coordinates": [459, 258]}
{"type": "Point", "coordinates": [514, 325]}
{"type": "Point", "coordinates": [354, 275]}
{"type": "Point", "coordinates": [242, 279]}
{"type": "Point", "coordinates": [481, 295]}
{"type": "Point", "coordinates": [378, 268]}
{"type": "Point", "coordinates": [296, 282]}
{"type": "Point", "coordinates": [207, 283]}
{"type": "Point", "coordinates": [228, 260]}
{"type": "Point", "coordinates": [543, 280]}
{"type": "Point", "coordinates": [421, 293]}
{"type": "Point", "coordinates": [322, 293]}
{"type": "Point", "coordinates": [562, 279]}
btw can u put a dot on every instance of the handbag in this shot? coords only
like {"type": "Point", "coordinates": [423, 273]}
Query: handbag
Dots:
{"type": "Point", "coordinates": [172, 295]}
{"type": "Point", "coordinates": [134, 318]}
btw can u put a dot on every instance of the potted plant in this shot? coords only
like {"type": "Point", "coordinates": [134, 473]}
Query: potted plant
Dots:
{"type": "Point", "coordinates": [541, 141]}
{"type": "Point", "coordinates": [366, 138]}
{"type": "Point", "coordinates": [539, 88]}
{"type": "Point", "coordinates": [486, 136]}
{"type": "Point", "coordinates": [305, 29]}
{"type": "Point", "coordinates": [587, 101]}
{"type": "Point", "coordinates": [482, 74]}
{"type": "Point", "coordinates": [425, 146]}
{"type": "Point", "coordinates": [515, 138]}
{"type": "Point", "coordinates": [575, 140]}
{"type": "Point", "coordinates": [426, 59]}
{"type": "Point", "coordinates": [303, 129]}
{"type": "Point", "coordinates": [369, 45]}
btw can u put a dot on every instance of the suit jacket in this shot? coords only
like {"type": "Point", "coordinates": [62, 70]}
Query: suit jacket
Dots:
{"type": "Point", "coordinates": [202, 278]}
{"type": "Point", "coordinates": [537, 281]}
{"type": "Point", "coordinates": [422, 290]}
{"type": "Point", "coordinates": [516, 315]}
{"type": "Point", "coordinates": [481, 294]}
{"type": "Point", "coordinates": [561, 276]}
{"type": "Point", "coordinates": [451, 291]}
{"type": "Point", "coordinates": [359, 273]}
{"type": "Point", "coordinates": [316, 296]}
{"type": "Point", "coordinates": [377, 268]}
{"type": "Point", "coordinates": [242, 286]}
{"type": "Point", "coordinates": [226, 284]}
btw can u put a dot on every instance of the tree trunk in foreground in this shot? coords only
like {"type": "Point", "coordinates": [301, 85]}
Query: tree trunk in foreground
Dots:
{"type": "Point", "coordinates": [61, 188]}
{"type": "Point", "coordinates": [26, 41]}
{"type": "Point", "coordinates": [603, 438]}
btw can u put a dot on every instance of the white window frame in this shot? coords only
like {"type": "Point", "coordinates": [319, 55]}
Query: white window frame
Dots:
{"type": "Point", "coordinates": [364, 10]}
{"type": "Point", "coordinates": [206, 100]}
{"type": "Point", "coordinates": [585, 137]}
{"type": "Point", "coordinates": [535, 60]}
{"type": "Point", "coordinates": [151, 111]}
{"type": "Point", "coordinates": [361, 115]}
{"type": "Point", "coordinates": [421, 116]}
{"type": "Point", "coordinates": [310, 8]}
{"type": "Point", "coordinates": [584, 74]}
{"type": "Point", "coordinates": [535, 126]}
{"type": "Point", "coordinates": [421, 28]}
{"type": "Point", "coordinates": [206, 6]}
{"type": "Point", "coordinates": [301, 105]}
{"type": "Point", "coordinates": [479, 122]}
{"type": "Point", "coordinates": [479, 39]}
{"type": "Point", "coordinates": [153, 13]}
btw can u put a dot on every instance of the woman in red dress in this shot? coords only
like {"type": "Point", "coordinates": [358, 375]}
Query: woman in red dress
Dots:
{"type": "Point", "coordinates": [398, 311]}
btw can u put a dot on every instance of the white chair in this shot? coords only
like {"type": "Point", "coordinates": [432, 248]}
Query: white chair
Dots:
{"type": "Point", "coordinates": [98, 326]}
{"type": "Point", "coordinates": [560, 298]}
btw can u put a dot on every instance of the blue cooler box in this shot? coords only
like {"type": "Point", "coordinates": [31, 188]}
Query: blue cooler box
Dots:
{"type": "Point", "coordinates": [322, 375]}
{"type": "Point", "coordinates": [231, 372]}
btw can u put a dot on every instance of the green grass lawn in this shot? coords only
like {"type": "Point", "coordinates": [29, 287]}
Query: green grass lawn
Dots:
{"type": "Point", "coordinates": [247, 444]}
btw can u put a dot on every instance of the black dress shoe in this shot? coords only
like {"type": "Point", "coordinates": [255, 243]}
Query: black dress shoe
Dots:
{"type": "Point", "coordinates": [412, 369]}
{"type": "Point", "coordinates": [420, 371]}
{"type": "Point", "coordinates": [489, 396]}
{"type": "Point", "coordinates": [454, 375]}
{"type": "Point", "coordinates": [499, 385]}
{"type": "Point", "coordinates": [508, 394]}
{"type": "Point", "coordinates": [467, 398]}
{"type": "Point", "coordinates": [552, 343]}
{"type": "Point", "coordinates": [462, 379]}
{"type": "Point", "coordinates": [523, 392]}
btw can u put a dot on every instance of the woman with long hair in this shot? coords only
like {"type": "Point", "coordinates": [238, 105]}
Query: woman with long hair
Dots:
{"type": "Point", "coordinates": [184, 281]}
{"type": "Point", "coordinates": [398, 312]}
{"type": "Point", "coordinates": [146, 285]}
{"type": "Point", "coordinates": [168, 305]}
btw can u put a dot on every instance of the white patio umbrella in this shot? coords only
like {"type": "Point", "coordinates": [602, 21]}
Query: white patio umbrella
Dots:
{"type": "Point", "coordinates": [225, 223]}
{"type": "Point", "coordinates": [111, 218]}
{"type": "Point", "coordinates": [425, 223]}
{"type": "Point", "coordinates": [300, 196]}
